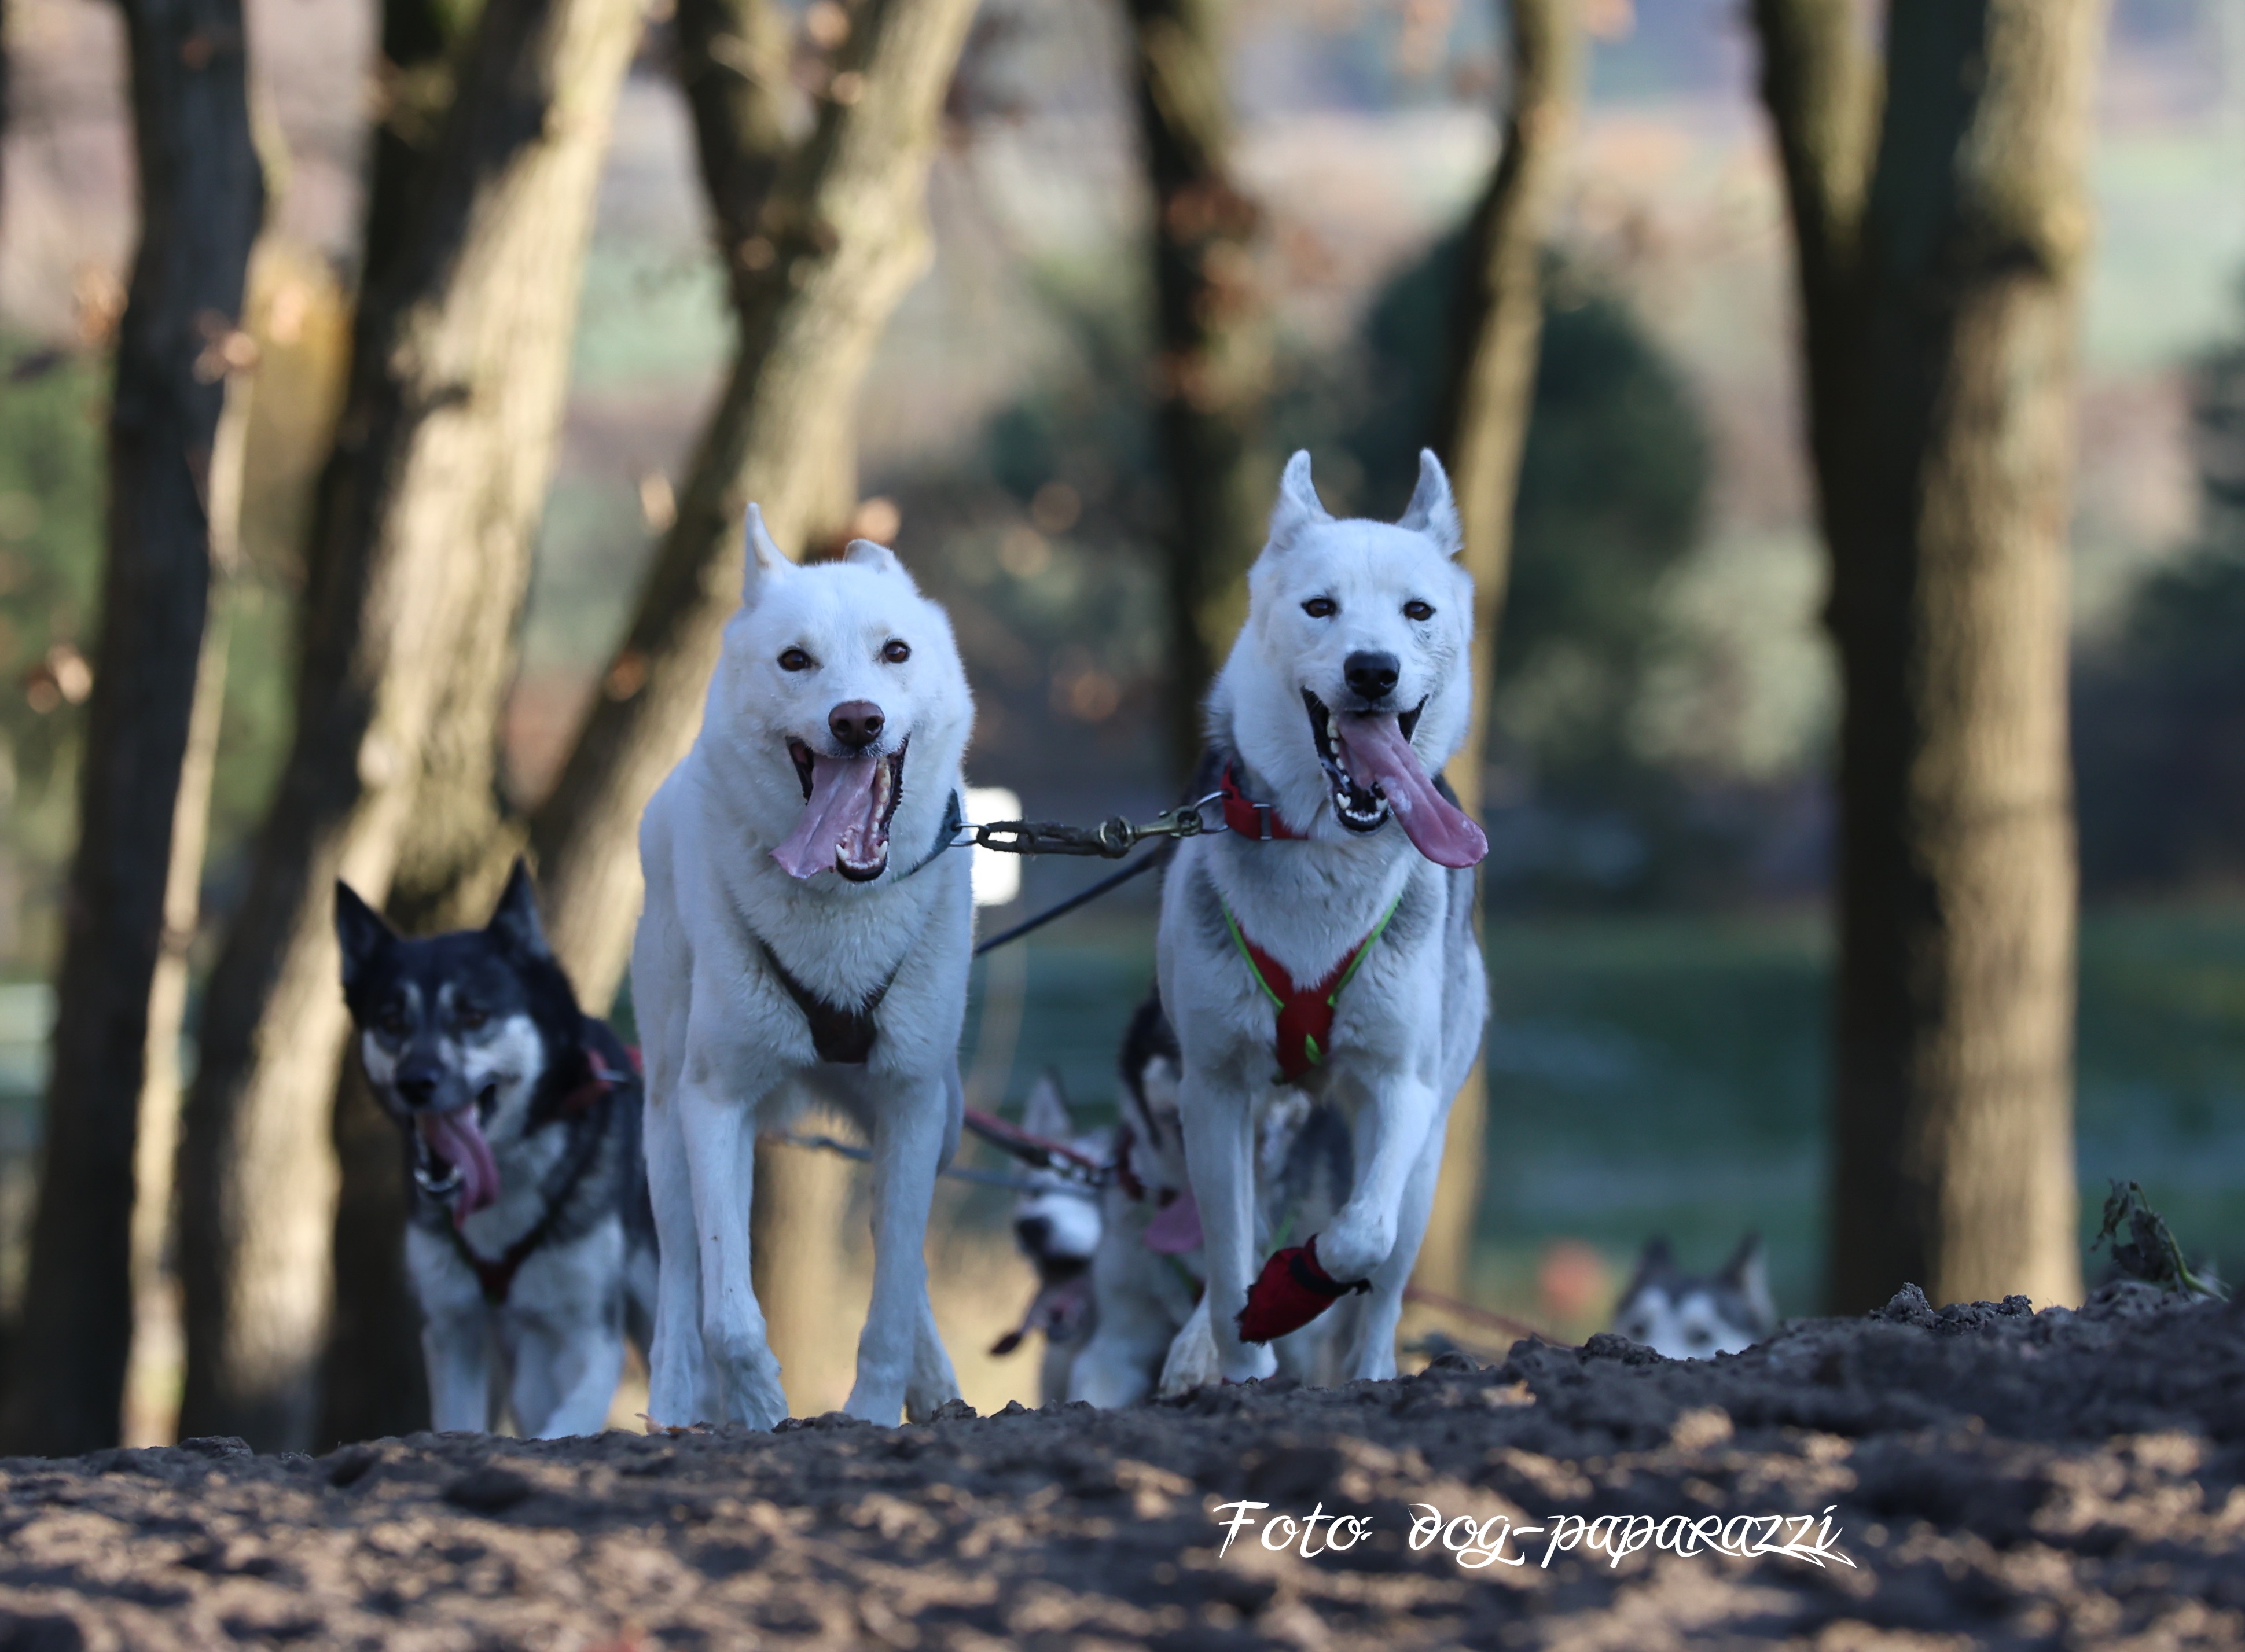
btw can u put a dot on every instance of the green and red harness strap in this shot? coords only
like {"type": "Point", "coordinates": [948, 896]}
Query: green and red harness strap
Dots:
{"type": "Point", "coordinates": [1305, 1013]}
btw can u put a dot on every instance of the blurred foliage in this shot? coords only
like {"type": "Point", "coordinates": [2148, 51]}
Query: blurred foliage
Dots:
{"type": "Point", "coordinates": [2159, 713]}
{"type": "Point", "coordinates": [53, 416]}
{"type": "Point", "coordinates": [1613, 496]}
{"type": "Point", "coordinates": [1049, 535]}
{"type": "Point", "coordinates": [1048, 563]}
{"type": "Point", "coordinates": [53, 411]}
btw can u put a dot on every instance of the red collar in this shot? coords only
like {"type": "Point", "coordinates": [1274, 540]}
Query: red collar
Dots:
{"type": "Point", "coordinates": [1244, 818]}
{"type": "Point", "coordinates": [598, 1082]}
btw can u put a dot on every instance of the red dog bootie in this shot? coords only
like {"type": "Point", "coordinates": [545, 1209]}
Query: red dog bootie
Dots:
{"type": "Point", "coordinates": [1292, 1290]}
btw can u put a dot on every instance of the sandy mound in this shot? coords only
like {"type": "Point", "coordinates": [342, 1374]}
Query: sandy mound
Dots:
{"type": "Point", "coordinates": [1998, 1477]}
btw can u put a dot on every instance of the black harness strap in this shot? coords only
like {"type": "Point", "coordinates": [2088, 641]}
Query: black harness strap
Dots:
{"type": "Point", "coordinates": [838, 1034]}
{"type": "Point", "coordinates": [496, 1274]}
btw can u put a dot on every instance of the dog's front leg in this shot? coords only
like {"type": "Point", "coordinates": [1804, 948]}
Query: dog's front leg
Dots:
{"type": "Point", "coordinates": [1373, 1351]}
{"type": "Point", "coordinates": [1399, 1143]}
{"type": "Point", "coordinates": [457, 1347]}
{"type": "Point", "coordinates": [908, 1140]}
{"type": "Point", "coordinates": [716, 1133]}
{"type": "Point", "coordinates": [581, 1363]}
{"type": "Point", "coordinates": [1219, 1130]}
{"type": "Point", "coordinates": [1190, 1361]}
{"type": "Point", "coordinates": [674, 1396]}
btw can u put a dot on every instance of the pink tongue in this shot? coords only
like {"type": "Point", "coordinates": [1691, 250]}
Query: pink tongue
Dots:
{"type": "Point", "coordinates": [1376, 750]}
{"type": "Point", "coordinates": [1177, 1228]}
{"type": "Point", "coordinates": [456, 1138]}
{"type": "Point", "coordinates": [841, 798]}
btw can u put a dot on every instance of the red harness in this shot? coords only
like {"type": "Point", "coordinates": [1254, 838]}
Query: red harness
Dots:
{"type": "Point", "coordinates": [1305, 1009]}
{"type": "Point", "coordinates": [1294, 1288]}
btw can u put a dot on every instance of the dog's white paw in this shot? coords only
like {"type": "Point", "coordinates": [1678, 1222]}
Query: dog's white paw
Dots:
{"type": "Point", "coordinates": [1191, 1362]}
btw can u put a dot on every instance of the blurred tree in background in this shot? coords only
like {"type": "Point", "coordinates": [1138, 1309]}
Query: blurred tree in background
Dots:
{"type": "Point", "coordinates": [1941, 223]}
{"type": "Point", "coordinates": [173, 480]}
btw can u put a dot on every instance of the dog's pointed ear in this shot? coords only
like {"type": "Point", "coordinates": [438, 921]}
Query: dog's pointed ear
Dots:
{"type": "Point", "coordinates": [1432, 510]}
{"type": "Point", "coordinates": [764, 558]}
{"type": "Point", "coordinates": [1046, 1112]}
{"type": "Point", "coordinates": [1747, 1271]}
{"type": "Point", "coordinates": [879, 557]}
{"type": "Point", "coordinates": [514, 921]}
{"type": "Point", "coordinates": [1298, 506]}
{"type": "Point", "coordinates": [1653, 1262]}
{"type": "Point", "coordinates": [361, 932]}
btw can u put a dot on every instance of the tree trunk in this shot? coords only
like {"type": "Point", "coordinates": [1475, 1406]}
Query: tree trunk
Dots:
{"type": "Point", "coordinates": [1941, 327]}
{"type": "Point", "coordinates": [1499, 323]}
{"type": "Point", "coordinates": [372, 1382]}
{"type": "Point", "coordinates": [201, 199]}
{"type": "Point", "coordinates": [1212, 362]}
{"type": "Point", "coordinates": [153, 1369]}
{"type": "Point", "coordinates": [442, 456]}
{"type": "Point", "coordinates": [842, 238]}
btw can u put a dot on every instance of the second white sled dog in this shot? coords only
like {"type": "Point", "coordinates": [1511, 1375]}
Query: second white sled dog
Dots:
{"type": "Point", "coordinates": [1327, 938]}
{"type": "Point", "coordinates": [805, 938]}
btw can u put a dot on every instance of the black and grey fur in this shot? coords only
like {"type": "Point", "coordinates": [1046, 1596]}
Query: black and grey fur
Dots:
{"type": "Point", "coordinates": [1696, 1317]}
{"type": "Point", "coordinates": [1057, 1228]}
{"type": "Point", "coordinates": [533, 1265]}
{"type": "Point", "coordinates": [1149, 1332]}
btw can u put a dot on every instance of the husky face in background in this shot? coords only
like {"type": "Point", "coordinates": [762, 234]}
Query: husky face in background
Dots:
{"type": "Point", "coordinates": [529, 1231]}
{"type": "Point", "coordinates": [1057, 1228]}
{"type": "Point", "coordinates": [805, 938]}
{"type": "Point", "coordinates": [1688, 1316]}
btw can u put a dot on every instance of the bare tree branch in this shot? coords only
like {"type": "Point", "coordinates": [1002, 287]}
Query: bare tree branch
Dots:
{"type": "Point", "coordinates": [845, 232]}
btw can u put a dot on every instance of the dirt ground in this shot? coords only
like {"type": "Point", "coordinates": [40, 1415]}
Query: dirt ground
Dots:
{"type": "Point", "coordinates": [1998, 1478]}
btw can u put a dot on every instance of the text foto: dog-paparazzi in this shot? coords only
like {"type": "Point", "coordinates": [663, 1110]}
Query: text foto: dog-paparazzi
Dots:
{"type": "Point", "coordinates": [1476, 1544]}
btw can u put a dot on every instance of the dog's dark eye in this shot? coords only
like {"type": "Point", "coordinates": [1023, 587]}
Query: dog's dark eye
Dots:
{"type": "Point", "coordinates": [1322, 607]}
{"type": "Point", "coordinates": [896, 650]}
{"type": "Point", "coordinates": [794, 659]}
{"type": "Point", "coordinates": [1415, 609]}
{"type": "Point", "coordinates": [469, 1017]}
{"type": "Point", "coordinates": [391, 1022]}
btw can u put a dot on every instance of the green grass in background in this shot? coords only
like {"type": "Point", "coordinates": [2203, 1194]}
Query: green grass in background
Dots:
{"type": "Point", "coordinates": [1667, 1074]}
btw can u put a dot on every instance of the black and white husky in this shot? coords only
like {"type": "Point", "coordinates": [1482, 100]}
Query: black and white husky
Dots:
{"type": "Point", "coordinates": [1694, 1315]}
{"type": "Point", "coordinates": [1326, 941]}
{"type": "Point", "coordinates": [1057, 1228]}
{"type": "Point", "coordinates": [529, 1234]}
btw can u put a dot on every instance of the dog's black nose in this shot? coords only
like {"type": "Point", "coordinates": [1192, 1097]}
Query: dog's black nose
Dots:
{"type": "Point", "coordinates": [1372, 675]}
{"type": "Point", "coordinates": [856, 723]}
{"type": "Point", "coordinates": [1035, 1232]}
{"type": "Point", "coordinates": [416, 1083]}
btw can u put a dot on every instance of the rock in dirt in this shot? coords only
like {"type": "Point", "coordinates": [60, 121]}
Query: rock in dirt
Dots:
{"type": "Point", "coordinates": [1978, 1475]}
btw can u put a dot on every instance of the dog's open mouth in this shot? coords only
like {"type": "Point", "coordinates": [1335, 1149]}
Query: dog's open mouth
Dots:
{"type": "Point", "coordinates": [847, 805]}
{"type": "Point", "coordinates": [1359, 803]}
{"type": "Point", "coordinates": [452, 1160]}
{"type": "Point", "coordinates": [1374, 772]}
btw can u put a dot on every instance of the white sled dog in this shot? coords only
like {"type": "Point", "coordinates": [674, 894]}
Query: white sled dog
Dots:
{"type": "Point", "coordinates": [1327, 936]}
{"type": "Point", "coordinates": [805, 936]}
